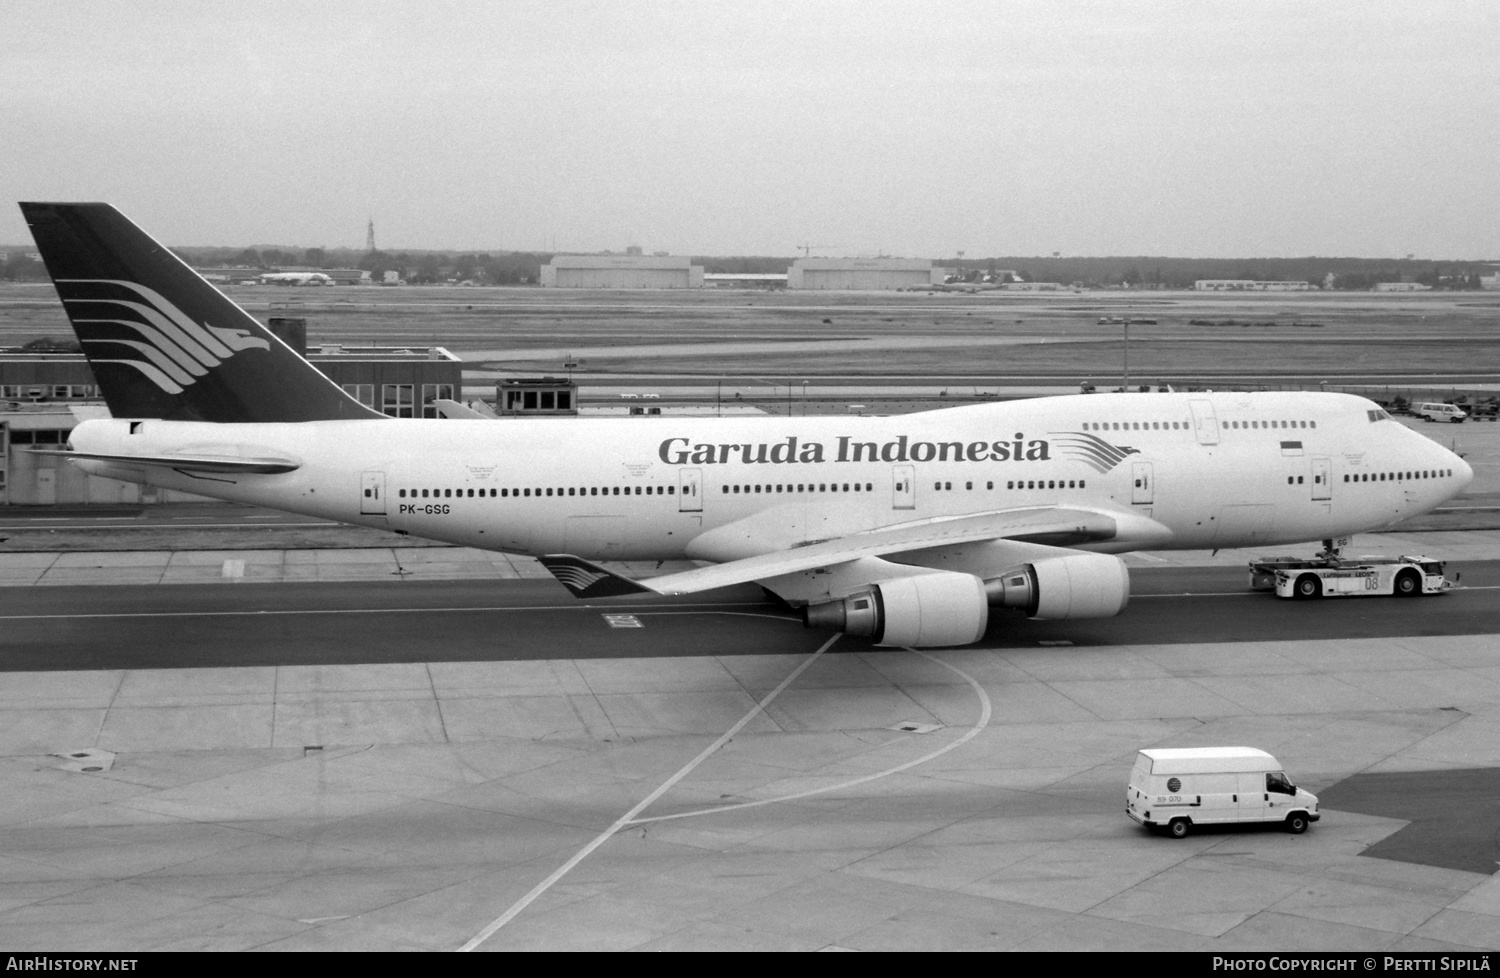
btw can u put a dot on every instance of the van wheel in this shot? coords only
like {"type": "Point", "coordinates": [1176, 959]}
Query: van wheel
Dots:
{"type": "Point", "coordinates": [1296, 823]}
{"type": "Point", "coordinates": [1308, 586]}
{"type": "Point", "coordinates": [1407, 584]}
{"type": "Point", "coordinates": [1178, 828]}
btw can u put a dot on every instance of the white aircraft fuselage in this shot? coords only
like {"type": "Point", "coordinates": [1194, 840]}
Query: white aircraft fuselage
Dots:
{"type": "Point", "coordinates": [1175, 471]}
{"type": "Point", "coordinates": [907, 529]}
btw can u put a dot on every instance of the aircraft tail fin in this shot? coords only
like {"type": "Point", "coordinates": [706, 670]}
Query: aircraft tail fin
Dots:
{"type": "Point", "coordinates": [163, 342]}
{"type": "Point", "coordinates": [589, 580]}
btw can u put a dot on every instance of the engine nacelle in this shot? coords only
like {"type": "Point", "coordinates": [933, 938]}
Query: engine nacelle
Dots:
{"type": "Point", "coordinates": [920, 611]}
{"type": "Point", "coordinates": [1076, 586]}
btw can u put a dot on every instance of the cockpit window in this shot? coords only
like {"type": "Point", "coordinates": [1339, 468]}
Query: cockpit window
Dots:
{"type": "Point", "coordinates": [1377, 415]}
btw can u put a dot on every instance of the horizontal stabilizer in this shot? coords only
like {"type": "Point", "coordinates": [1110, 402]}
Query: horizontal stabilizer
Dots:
{"type": "Point", "coordinates": [588, 580]}
{"type": "Point", "coordinates": [187, 463]}
{"type": "Point", "coordinates": [454, 409]}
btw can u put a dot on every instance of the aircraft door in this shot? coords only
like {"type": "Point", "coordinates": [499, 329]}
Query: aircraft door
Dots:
{"type": "Point", "coordinates": [1205, 423]}
{"type": "Point", "coordinates": [372, 494]}
{"type": "Point", "coordinates": [1322, 479]}
{"type": "Point", "coordinates": [904, 487]}
{"type": "Point", "coordinates": [690, 490]}
{"type": "Point", "coordinates": [1141, 478]}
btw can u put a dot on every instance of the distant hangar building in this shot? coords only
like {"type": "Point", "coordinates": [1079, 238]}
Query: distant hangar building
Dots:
{"type": "Point", "coordinates": [862, 273]}
{"type": "Point", "coordinates": [621, 272]}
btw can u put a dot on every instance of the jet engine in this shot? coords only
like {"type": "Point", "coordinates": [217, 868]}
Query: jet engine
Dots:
{"type": "Point", "coordinates": [924, 610]}
{"type": "Point", "coordinates": [1075, 586]}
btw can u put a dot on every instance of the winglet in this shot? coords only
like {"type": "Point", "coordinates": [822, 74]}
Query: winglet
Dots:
{"type": "Point", "coordinates": [588, 580]}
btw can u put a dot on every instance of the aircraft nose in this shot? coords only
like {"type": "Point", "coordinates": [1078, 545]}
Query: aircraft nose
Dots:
{"type": "Point", "coordinates": [1464, 472]}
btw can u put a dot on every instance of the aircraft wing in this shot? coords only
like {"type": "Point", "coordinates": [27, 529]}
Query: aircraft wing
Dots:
{"type": "Point", "coordinates": [1049, 525]}
{"type": "Point", "coordinates": [219, 464]}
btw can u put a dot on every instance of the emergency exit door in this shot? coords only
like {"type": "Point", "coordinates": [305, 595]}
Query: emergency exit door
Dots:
{"type": "Point", "coordinates": [372, 494]}
{"type": "Point", "coordinates": [1140, 484]}
{"type": "Point", "coordinates": [1205, 422]}
{"type": "Point", "coordinates": [904, 487]}
{"type": "Point", "coordinates": [1322, 479]}
{"type": "Point", "coordinates": [690, 491]}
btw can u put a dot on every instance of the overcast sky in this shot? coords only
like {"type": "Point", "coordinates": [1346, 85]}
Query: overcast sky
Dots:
{"type": "Point", "coordinates": [1198, 129]}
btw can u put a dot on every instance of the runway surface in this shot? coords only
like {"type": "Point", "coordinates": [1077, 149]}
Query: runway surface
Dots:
{"type": "Point", "coordinates": [181, 626]}
{"type": "Point", "coordinates": [390, 761]}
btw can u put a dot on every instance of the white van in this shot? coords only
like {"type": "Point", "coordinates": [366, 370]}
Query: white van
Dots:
{"type": "Point", "coordinates": [1439, 412]}
{"type": "Point", "coordinates": [1183, 787]}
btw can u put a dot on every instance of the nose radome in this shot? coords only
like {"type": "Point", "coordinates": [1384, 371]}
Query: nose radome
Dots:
{"type": "Point", "coordinates": [1465, 473]}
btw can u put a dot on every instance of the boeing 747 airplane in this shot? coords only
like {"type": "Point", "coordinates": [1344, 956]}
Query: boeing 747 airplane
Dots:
{"type": "Point", "coordinates": [907, 529]}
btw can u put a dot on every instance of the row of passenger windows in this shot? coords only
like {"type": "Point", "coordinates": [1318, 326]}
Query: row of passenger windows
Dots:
{"type": "Point", "coordinates": [1021, 484]}
{"type": "Point", "coordinates": [747, 490]}
{"type": "Point", "coordinates": [803, 487]}
{"type": "Point", "coordinates": [821, 486]}
{"type": "Point", "coordinates": [539, 491]}
{"type": "Point", "coordinates": [1187, 426]}
{"type": "Point", "coordinates": [1136, 426]}
{"type": "Point", "coordinates": [1395, 476]}
{"type": "Point", "coordinates": [1270, 424]}
{"type": "Point", "coordinates": [870, 487]}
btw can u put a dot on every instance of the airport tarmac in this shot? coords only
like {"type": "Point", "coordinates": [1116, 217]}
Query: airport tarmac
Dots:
{"type": "Point", "coordinates": [799, 797]}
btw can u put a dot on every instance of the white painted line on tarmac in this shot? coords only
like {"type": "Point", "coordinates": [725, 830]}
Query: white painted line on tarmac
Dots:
{"type": "Point", "coordinates": [361, 611]}
{"type": "Point", "coordinates": [1202, 594]}
{"type": "Point", "coordinates": [625, 819]}
{"type": "Point", "coordinates": [984, 721]}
